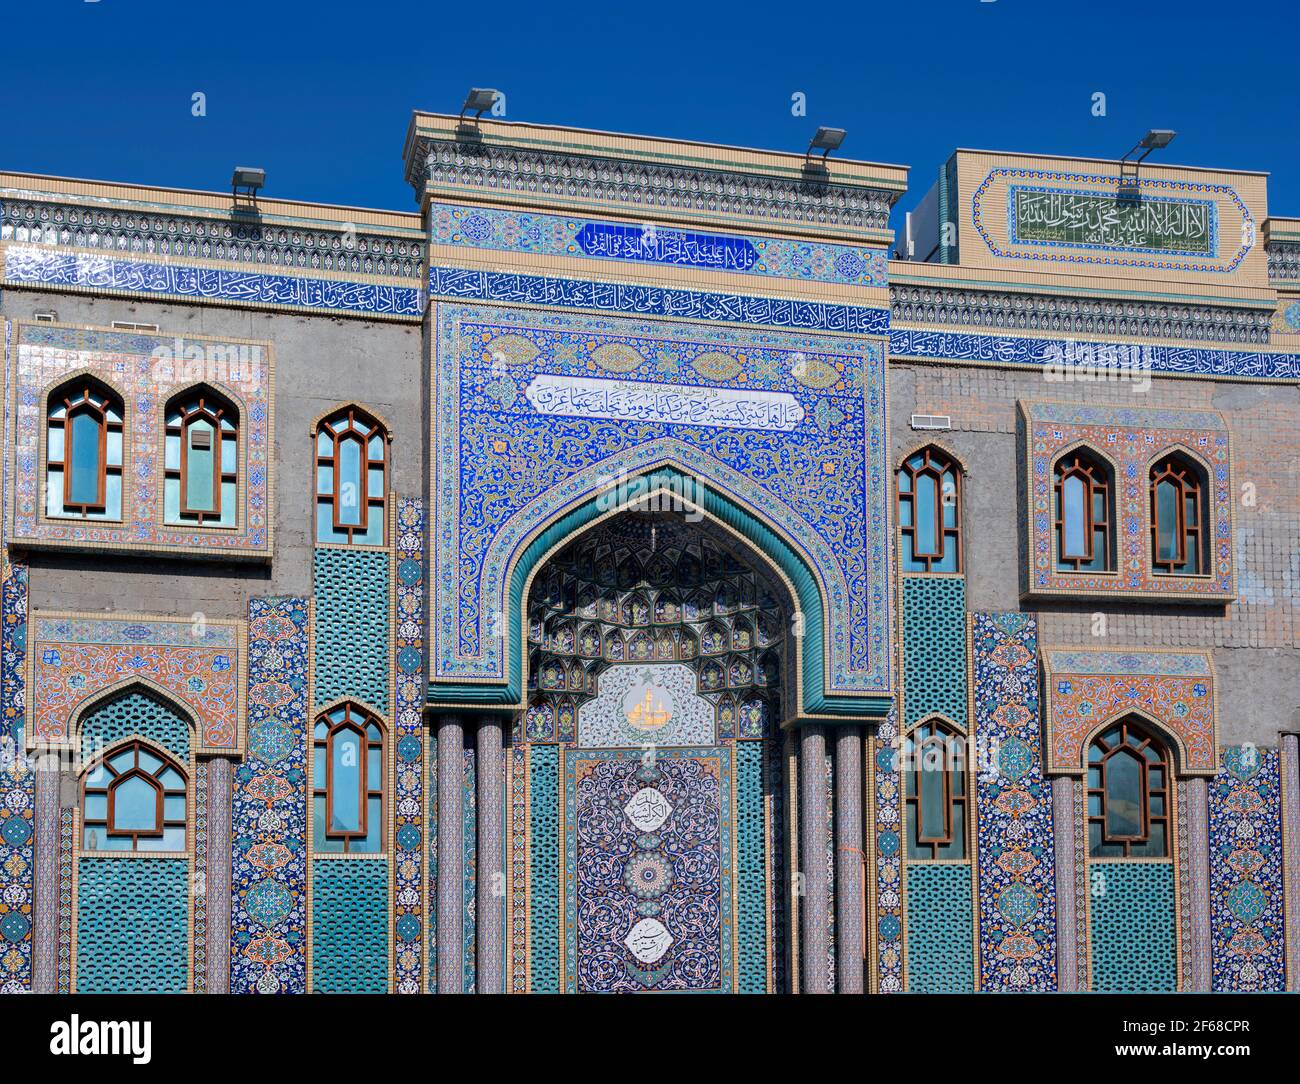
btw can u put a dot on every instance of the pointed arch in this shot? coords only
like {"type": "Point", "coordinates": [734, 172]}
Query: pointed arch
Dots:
{"type": "Point", "coordinates": [938, 798]}
{"type": "Point", "coordinates": [350, 778]}
{"type": "Point", "coordinates": [352, 476]}
{"type": "Point", "coordinates": [669, 473]}
{"type": "Point", "coordinates": [928, 485]}
{"type": "Point", "coordinates": [1172, 740]}
{"type": "Point", "coordinates": [1084, 508]}
{"type": "Point", "coordinates": [123, 688]}
{"type": "Point", "coordinates": [83, 449]}
{"type": "Point", "coordinates": [202, 439]}
{"type": "Point", "coordinates": [1180, 515]}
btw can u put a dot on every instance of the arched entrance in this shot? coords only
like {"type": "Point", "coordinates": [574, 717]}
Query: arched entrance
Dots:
{"type": "Point", "coordinates": [654, 824]}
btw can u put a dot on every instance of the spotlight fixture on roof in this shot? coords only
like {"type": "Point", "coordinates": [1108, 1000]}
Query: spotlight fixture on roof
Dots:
{"type": "Point", "coordinates": [825, 140]}
{"type": "Point", "coordinates": [1155, 139]}
{"type": "Point", "coordinates": [248, 181]}
{"type": "Point", "coordinates": [478, 101]}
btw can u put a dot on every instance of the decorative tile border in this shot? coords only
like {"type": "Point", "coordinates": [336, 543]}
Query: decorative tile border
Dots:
{"type": "Point", "coordinates": [146, 370]}
{"type": "Point", "coordinates": [1104, 186]}
{"type": "Point", "coordinates": [269, 875]}
{"type": "Point", "coordinates": [75, 657]}
{"type": "Point", "coordinates": [491, 229]}
{"type": "Point", "coordinates": [1017, 884]}
{"type": "Point", "coordinates": [886, 847]}
{"type": "Point", "coordinates": [17, 789]}
{"type": "Point", "coordinates": [1131, 440]}
{"type": "Point", "coordinates": [1064, 354]}
{"type": "Point", "coordinates": [409, 828]}
{"type": "Point", "coordinates": [1086, 689]}
{"type": "Point", "coordinates": [92, 272]}
{"type": "Point", "coordinates": [458, 284]}
{"type": "Point", "coordinates": [1246, 884]}
{"type": "Point", "coordinates": [820, 477]}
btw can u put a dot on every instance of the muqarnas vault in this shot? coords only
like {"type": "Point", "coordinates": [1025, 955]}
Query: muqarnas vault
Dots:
{"type": "Point", "coordinates": [749, 600]}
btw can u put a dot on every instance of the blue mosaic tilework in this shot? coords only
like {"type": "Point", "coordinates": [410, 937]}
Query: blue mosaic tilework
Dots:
{"type": "Point", "coordinates": [888, 857]}
{"type": "Point", "coordinates": [29, 266]}
{"type": "Point", "coordinates": [1131, 930]}
{"type": "Point", "coordinates": [544, 868]}
{"type": "Point", "coordinates": [135, 713]}
{"type": "Point", "coordinates": [350, 660]}
{"type": "Point", "coordinates": [674, 873]}
{"type": "Point", "coordinates": [934, 648]}
{"type": "Point", "coordinates": [940, 945]}
{"type": "Point", "coordinates": [779, 871]}
{"type": "Point", "coordinates": [269, 871]}
{"type": "Point", "coordinates": [823, 485]}
{"type": "Point", "coordinates": [199, 936]}
{"type": "Point", "coordinates": [1246, 892]}
{"type": "Point", "coordinates": [1040, 353]}
{"type": "Point", "coordinates": [17, 790]}
{"type": "Point", "coordinates": [132, 925]}
{"type": "Point", "coordinates": [1017, 880]}
{"type": "Point", "coordinates": [553, 235]}
{"type": "Point", "coordinates": [751, 874]}
{"type": "Point", "coordinates": [408, 647]}
{"type": "Point", "coordinates": [615, 297]}
{"type": "Point", "coordinates": [349, 918]}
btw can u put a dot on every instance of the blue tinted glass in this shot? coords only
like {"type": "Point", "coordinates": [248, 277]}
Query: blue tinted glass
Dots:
{"type": "Point", "coordinates": [351, 494]}
{"type": "Point", "coordinates": [135, 805]}
{"type": "Point", "coordinates": [1167, 520]}
{"type": "Point", "coordinates": [85, 458]}
{"type": "Point", "coordinates": [345, 792]}
{"type": "Point", "coordinates": [927, 492]}
{"type": "Point", "coordinates": [1123, 796]}
{"type": "Point", "coordinates": [1074, 493]}
{"type": "Point", "coordinates": [200, 495]}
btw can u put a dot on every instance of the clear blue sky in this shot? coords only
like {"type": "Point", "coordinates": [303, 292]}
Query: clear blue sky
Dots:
{"type": "Point", "coordinates": [320, 93]}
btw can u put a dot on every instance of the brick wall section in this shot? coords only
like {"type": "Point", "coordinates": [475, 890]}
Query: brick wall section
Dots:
{"type": "Point", "coordinates": [1254, 640]}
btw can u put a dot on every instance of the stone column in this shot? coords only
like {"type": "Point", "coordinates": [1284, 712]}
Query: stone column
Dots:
{"type": "Point", "coordinates": [1068, 903]}
{"type": "Point", "coordinates": [451, 858]}
{"type": "Point", "coordinates": [216, 878]}
{"type": "Point", "coordinates": [1196, 838]}
{"type": "Point", "coordinates": [490, 911]}
{"type": "Point", "coordinates": [813, 843]}
{"type": "Point", "coordinates": [848, 859]}
{"type": "Point", "coordinates": [45, 876]}
{"type": "Point", "coordinates": [1291, 856]}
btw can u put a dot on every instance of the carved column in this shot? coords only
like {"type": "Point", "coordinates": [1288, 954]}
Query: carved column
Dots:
{"type": "Point", "coordinates": [1068, 903]}
{"type": "Point", "coordinates": [812, 859]}
{"type": "Point", "coordinates": [451, 858]}
{"type": "Point", "coordinates": [45, 886]}
{"type": "Point", "coordinates": [216, 878]}
{"type": "Point", "coordinates": [848, 859]}
{"type": "Point", "coordinates": [1196, 838]}
{"type": "Point", "coordinates": [490, 910]}
{"type": "Point", "coordinates": [1291, 856]}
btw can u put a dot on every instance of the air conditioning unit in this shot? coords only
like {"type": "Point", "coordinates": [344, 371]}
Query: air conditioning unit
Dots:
{"type": "Point", "coordinates": [931, 421]}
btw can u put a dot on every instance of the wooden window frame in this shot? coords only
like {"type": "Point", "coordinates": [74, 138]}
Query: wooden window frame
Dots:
{"type": "Point", "coordinates": [1128, 726]}
{"type": "Point", "coordinates": [109, 788]}
{"type": "Point", "coordinates": [356, 420]}
{"type": "Point", "coordinates": [357, 720]}
{"type": "Point", "coordinates": [935, 463]}
{"type": "Point", "coordinates": [201, 410]}
{"type": "Point", "coordinates": [948, 736]}
{"type": "Point", "coordinates": [1096, 478]}
{"type": "Point", "coordinates": [75, 397]}
{"type": "Point", "coordinates": [1182, 472]}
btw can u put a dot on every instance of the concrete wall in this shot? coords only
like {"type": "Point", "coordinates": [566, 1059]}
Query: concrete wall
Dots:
{"type": "Point", "coordinates": [319, 361]}
{"type": "Point", "coordinates": [1255, 652]}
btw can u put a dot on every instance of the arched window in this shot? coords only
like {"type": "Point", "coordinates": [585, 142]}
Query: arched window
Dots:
{"type": "Point", "coordinates": [929, 512]}
{"type": "Point", "coordinates": [1082, 507]}
{"type": "Point", "coordinates": [351, 478]}
{"type": "Point", "coordinates": [201, 460]}
{"type": "Point", "coordinates": [1178, 517]}
{"type": "Point", "coordinates": [936, 791]}
{"type": "Point", "coordinates": [1128, 794]}
{"type": "Point", "coordinates": [348, 781]}
{"type": "Point", "coordinates": [83, 453]}
{"type": "Point", "coordinates": [134, 800]}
